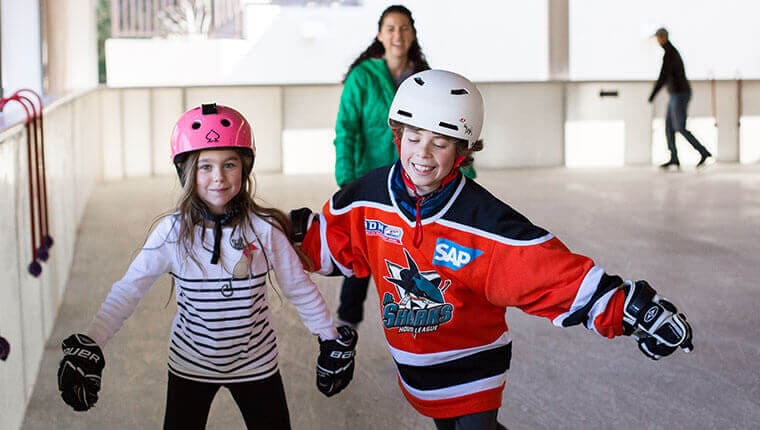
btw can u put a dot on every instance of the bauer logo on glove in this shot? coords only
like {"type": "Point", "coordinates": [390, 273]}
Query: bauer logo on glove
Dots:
{"type": "Point", "coordinates": [79, 371]}
{"type": "Point", "coordinates": [335, 365]}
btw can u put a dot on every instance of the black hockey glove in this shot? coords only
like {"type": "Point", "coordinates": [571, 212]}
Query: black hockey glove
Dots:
{"type": "Point", "coordinates": [79, 371]}
{"type": "Point", "coordinates": [300, 220]}
{"type": "Point", "coordinates": [5, 348]}
{"type": "Point", "coordinates": [655, 322]}
{"type": "Point", "coordinates": [335, 365]}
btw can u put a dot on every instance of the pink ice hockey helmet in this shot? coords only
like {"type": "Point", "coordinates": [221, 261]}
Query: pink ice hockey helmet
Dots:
{"type": "Point", "coordinates": [210, 126]}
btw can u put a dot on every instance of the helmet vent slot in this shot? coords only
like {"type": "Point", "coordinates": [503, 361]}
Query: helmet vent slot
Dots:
{"type": "Point", "coordinates": [449, 126]}
{"type": "Point", "coordinates": [196, 125]}
{"type": "Point", "coordinates": [419, 81]}
{"type": "Point", "coordinates": [225, 122]}
{"type": "Point", "coordinates": [404, 113]}
{"type": "Point", "coordinates": [459, 92]}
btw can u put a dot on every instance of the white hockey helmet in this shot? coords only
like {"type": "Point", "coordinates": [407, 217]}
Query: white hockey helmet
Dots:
{"type": "Point", "coordinates": [440, 101]}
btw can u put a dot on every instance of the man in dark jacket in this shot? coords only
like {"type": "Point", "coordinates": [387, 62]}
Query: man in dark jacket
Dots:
{"type": "Point", "coordinates": [673, 76]}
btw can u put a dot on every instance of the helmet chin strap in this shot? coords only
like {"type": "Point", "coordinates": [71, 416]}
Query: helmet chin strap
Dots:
{"type": "Point", "coordinates": [219, 221]}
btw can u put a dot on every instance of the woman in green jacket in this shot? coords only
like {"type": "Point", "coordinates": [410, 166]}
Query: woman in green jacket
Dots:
{"type": "Point", "coordinates": [363, 139]}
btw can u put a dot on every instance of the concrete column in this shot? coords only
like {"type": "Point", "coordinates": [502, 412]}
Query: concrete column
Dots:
{"type": "Point", "coordinates": [638, 116]}
{"type": "Point", "coordinates": [558, 39]}
{"type": "Point", "coordinates": [559, 59]}
{"type": "Point", "coordinates": [727, 112]}
{"type": "Point", "coordinates": [71, 45]}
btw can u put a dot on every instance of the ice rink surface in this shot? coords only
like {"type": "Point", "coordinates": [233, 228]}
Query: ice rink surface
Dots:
{"type": "Point", "coordinates": [693, 235]}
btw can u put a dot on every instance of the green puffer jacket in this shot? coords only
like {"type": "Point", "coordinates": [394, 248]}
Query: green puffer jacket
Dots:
{"type": "Point", "coordinates": [363, 139]}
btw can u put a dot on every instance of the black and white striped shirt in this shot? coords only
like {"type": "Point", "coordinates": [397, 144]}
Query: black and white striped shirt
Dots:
{"type": "Point", "coordinates": [222, 330]}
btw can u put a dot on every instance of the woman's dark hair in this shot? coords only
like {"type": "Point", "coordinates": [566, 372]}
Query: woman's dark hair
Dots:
{"type": "Point", "coordinates": [376, 49]}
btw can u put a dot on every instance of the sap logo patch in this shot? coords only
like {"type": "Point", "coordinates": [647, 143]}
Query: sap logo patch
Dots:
{"type": "Point", "coordinates": [453, 255]}
{"type": "Point", "coordinates": [389, 233]}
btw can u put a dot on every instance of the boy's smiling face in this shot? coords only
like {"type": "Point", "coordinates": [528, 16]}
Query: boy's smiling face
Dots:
{"type": "Point", "coordinates": [427, 158]}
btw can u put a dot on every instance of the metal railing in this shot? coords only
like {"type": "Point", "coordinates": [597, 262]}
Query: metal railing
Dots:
{"type": "Point", "coordinates": [161, 18]}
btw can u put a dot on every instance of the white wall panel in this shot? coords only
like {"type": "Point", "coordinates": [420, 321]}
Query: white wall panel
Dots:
{"type": "Point", "coordinates": [61, 172]}
{"type": "Point", "coordinates": [30, 302]}
{"type": "Point", "coordinates": [136, 128]}
{"type": "Point", "coordinates": [625, 101]}
{"type": "Point", "coordinates": [309, 128]}
{"type": "Point", "coordinates": [12, 371]}
{"type": "Point", "coordinates": [311, 106]}
{"type": "Point", "coordinates": [750, 140]}
{"type": "Point", "coordinates": [750, 98]}
{"type": "Point", "coordinates": [166, 108]}
{"type": "Point", "coordinates": [111, 134]}
{"type": "Point", "coordinates": [88, 128]}
{"type": "Point", "coordinates": [523, 125]}
{"type": "Point", "coordinates": [595, 143]}
{"type": "Point", "coordinates": [306, 151]}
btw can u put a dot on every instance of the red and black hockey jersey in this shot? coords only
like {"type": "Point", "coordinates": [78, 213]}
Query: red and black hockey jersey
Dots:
{"type": "Point", "coordinates": [443, 303]}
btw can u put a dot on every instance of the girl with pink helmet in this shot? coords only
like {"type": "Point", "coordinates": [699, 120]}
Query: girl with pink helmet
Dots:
{"type": "Point", "coordinates": [219, 246]}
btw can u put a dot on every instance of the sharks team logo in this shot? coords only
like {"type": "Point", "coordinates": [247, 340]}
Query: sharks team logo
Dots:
{"type": "Point", "coordinates": [421, 306]}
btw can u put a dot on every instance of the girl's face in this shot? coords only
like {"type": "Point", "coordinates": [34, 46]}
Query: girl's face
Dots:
{"type": "Point", "coordinates": [396, 34]}
{"type": "Point", "coordinates": [218, 178]}
{"type": "Point", "coordinates": [427, 158]}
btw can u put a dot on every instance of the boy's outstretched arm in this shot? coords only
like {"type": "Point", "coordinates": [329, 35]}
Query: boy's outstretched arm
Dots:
{"type": "Point", "coordinates": [570, 289]}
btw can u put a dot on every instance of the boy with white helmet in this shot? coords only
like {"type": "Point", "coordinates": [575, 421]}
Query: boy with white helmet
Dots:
{"type": "Point", "coordinates": [448, 258]}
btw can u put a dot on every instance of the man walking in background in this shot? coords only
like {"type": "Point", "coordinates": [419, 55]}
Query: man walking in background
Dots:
{"type": "Point", "coordinates": [673, 75]}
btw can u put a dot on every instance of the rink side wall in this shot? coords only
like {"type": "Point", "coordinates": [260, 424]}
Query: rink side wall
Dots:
{"type": "Point", "coordinates": [29, 305]}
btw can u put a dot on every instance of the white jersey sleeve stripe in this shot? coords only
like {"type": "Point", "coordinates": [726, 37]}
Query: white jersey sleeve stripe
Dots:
{"type": "Point", "coordinates": [584, 294]}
